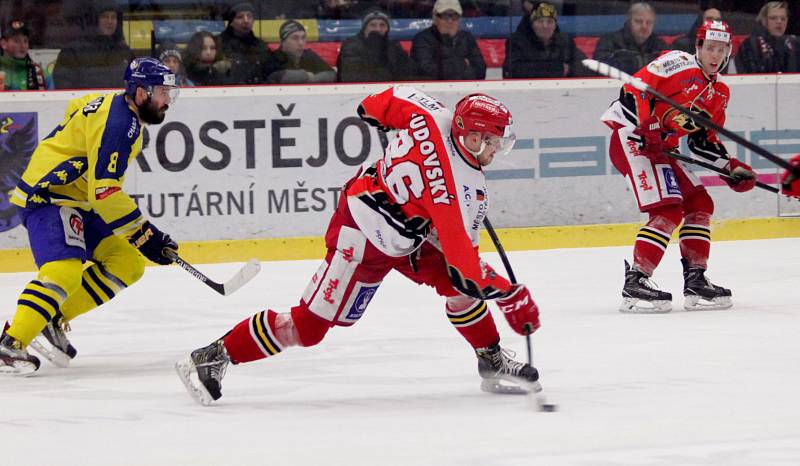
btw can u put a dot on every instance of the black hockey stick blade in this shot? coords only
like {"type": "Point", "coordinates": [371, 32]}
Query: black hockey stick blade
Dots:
{"type": "Point", "coordinates": [700, 163]}
{"type": "Point", "coordinates": [607, 70]}
{"type": "Point", "coordinates": [244, 275]}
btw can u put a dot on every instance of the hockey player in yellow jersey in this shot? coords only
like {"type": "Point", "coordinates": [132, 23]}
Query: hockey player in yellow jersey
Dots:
{"type": "Point", "coordinates": [75, 210]}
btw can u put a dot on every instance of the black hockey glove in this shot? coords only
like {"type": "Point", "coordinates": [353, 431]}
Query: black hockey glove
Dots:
{"type": "Point", "coordinates": [153, 243]}
{"type": "Point", "coordinates": [371, 121]}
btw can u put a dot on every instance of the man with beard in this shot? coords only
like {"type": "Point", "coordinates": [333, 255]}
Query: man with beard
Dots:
{"type": "Point", "coordinates": [72, 204]}
{"type": "Point", "coordinates": [370, 56]}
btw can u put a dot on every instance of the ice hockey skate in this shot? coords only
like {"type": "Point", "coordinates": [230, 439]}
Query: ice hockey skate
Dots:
{"type": "Point", "coordinates": [641, 296]}
{"type": "Point", "coordinates": [55, 347]}
{"type": "Point", "coordinates": [14, 360]}
{"type": "Point", "coordinates": [500, 373]}
{"type": "Point", "coordinates": [202, 371]}
{"type": "Point", "coordinates": [700, 294]}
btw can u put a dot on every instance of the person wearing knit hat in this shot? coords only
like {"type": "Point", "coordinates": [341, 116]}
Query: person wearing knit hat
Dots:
{"type": "Point", "coordinates": [370, 56]}
{"type": "Point", "coordinates": [100, 58]}
{"type": "Point", "coordinates": [296, 64]}
{"type": "Point", "coordinates": [170, 56]}
{"type": "Point", "coordinates": [20, 72]}
{"type": "Point", "coordinates": [251, 60]}
{"type": "Point", "coordinates": [537, 50]}
{"type": "Point", "coordinates": [444, 51]}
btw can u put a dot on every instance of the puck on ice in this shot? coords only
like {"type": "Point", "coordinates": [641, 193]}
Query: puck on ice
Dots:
{"type": "Point", "coordinates": [548, 408]}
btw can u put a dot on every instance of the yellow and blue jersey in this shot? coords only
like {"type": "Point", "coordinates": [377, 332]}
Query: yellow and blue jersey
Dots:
{"type": "Point", "coordinates": [82, 162]}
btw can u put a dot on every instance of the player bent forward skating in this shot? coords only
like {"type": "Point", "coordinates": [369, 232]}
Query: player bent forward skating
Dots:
{"type": "Point", "coordinates": [418, 211]}
{"type": "Point", "coordinates": [643, 128]}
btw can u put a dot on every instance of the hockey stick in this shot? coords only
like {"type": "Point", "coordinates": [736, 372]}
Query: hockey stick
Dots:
{"type": "Point", "coordinates": [503, 257]}
{"type": "Point", "coordinates": [614, 73]}
{"type": "Point", "coordinates": [244, 275]}
{"type": "Point", "coordinates": [692, 160]}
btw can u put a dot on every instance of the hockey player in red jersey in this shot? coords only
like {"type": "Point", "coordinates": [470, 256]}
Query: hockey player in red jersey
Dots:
{"type": "Point", "coordinates": [790, 182]}
{"type": "Point", "coordinates": [664, 188]}
{"type": "Point", "coordinates": [416, 210]}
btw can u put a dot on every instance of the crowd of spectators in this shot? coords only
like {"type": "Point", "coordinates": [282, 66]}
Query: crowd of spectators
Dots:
{"type": "Point", "coordinates": [444, 51]}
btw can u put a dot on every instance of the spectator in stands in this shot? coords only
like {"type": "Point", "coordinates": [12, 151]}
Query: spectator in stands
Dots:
{"type": "Point", "coordinates": [769, 49]}
{"type": "Point", "coordinates": [99, 59]}
{"type": "Point", "coordinates": [443, 51]}
{"type": "Point", "coordinates": [170, 56]}
{"type": "Point", "coordinates": [21, 72]}
{"type": "Point", "coordinates": [251, 60]}
{"type": "Point", "coordinates": [687, 42]}
{"type": "Point", "coordinates": [205, 65]}
{"type": "Point", "coordinates": [633, 47]}
{"type": "Point", "coordinates": [537, 50]}
{"type": "Point", "coordinates": [370, 56]}
{"type": "Point", "coordinates": [296, 64]}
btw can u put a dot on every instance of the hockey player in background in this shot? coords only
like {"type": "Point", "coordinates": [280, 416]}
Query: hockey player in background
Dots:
{"type": "Point", "coordinates": [75, 210]}
{"type": "Point", "coordinates": [664, 188]}
{"type": "Point", "coordinates": [416, 210]}
{"type": "Point", "coordinates": [790, 182]}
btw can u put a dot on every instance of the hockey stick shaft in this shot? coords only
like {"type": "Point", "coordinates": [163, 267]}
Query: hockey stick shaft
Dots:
{"type": "Point", "coordinates": [692, 160]}
{"type": "Point", "coordinates": [614, 73]}
{"type": "Point", "coordinates": [503, 257]}
{"type": "Point", "coordinates": [244, 275]}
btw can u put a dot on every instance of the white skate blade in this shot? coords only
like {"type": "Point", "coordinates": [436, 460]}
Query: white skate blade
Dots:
{"type": "Point", "coordinates": [18, 369]}
{"type": "Point", "coordinates": [641, 306]}
{"type": "Point", "coordinates": [505, 387]}
{"type": "Point", "coordinates": [50, 352]}
{"type": "Point", "coordinates": [187, 372]}
{"type": "Point", "coordinates": [696, 303]}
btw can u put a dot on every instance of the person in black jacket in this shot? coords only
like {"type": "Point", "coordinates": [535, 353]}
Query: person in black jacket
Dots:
{"type": "Point", "coordinates": [769, 49]}
{"type": "Point", "coordinates": [370, 56]}
{"type": "Point", "coordinates": [251, 60]}
{"type": "Point", "coordinates": [99, 59]}
{"type": "Point", "coordinates": [635, 45]}
{"type": "Point", "coordinates": [205, 65]}
{"type": "Point", "coordinates": [537, 50]}
{"type": "Point", "coordinates": [296, 64]}
{"type": "Point", "coordinates": [443, 51]}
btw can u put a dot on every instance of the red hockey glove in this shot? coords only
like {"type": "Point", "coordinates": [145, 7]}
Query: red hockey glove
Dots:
{"type": "Point", "coordinates": [521, 312]}
{"type": "Point", "coordinates": [653, 144]}
{"type": "Point", "coordinates": [742, 178]}
{"type": "Point", "coordinates": [790, 181]}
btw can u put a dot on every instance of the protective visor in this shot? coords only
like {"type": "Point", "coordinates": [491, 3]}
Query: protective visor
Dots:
{"type": "Point", "coordinates": [166, 91]}
{"type": "Point", "coordinates": [502, 145]}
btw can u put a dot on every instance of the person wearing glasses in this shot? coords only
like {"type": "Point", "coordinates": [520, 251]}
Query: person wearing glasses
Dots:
{"type": "Point", "coordinates": [444, 51]}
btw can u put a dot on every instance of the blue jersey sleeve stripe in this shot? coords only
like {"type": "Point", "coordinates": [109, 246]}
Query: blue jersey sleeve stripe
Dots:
{"type": "Point", "coordinates": [121, 222]}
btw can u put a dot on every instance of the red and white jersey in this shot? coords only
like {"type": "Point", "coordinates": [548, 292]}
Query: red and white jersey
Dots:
{"type": "Point", "coordinates": [422, 189]}
{"type": "Point", "coordinates": [676, 75]}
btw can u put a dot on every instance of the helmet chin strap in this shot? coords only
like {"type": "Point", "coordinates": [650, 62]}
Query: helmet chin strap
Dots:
{"type": "Point", "coordinates": [474, 154]}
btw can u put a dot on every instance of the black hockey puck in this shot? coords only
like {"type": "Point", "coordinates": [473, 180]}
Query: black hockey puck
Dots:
{"type": "Point", "coordinates": [548, 408]}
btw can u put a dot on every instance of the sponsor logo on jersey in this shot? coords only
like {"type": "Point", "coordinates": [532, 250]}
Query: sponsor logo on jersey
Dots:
{"type": "Point", "coordinates": [670, 181]}
{"type": "Point", "coordinates": [480, 195]}
{"type": "Point", "coordinates": [102, 193]}
{"type": "Point", "coordinates": [644, 183]}
{"type": "Point", "coordinates": [433, 168]}
{"type": "Point", "coordinates": [92, 106]}
{"type": "Point", "coordinates": [132, 130]}
{"type": "Point", "coordinates": [327, 294]}
{"type": "Point", "coordinates": [363, 297]}
{"type": "Point", "coordinates": [347, 254]}
{"type": "Point", "coordinates": [76, 223]}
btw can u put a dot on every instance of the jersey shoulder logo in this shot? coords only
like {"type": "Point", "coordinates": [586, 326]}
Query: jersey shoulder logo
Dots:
{"type": "Point", "coordinates": [671, 63]}
{"type": "Point", "coordinates": [92, 106]}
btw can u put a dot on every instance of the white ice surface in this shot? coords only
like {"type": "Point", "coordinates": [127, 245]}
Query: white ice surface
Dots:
{"type": "Point", "coordinates": [401, 387]}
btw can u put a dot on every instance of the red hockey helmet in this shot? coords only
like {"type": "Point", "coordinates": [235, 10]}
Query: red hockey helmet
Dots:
{"type": "Point", "coordinates": [714, 30]}
{"type": "Point", "coordinates": [488, 116]}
